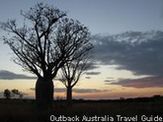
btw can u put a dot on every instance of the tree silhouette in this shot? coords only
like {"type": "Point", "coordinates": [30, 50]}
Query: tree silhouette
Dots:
{"type": "Point", "coordinates": [72, 71]}
{"type": "Point", "coordinates": [17, 92]}
{"type": "Point", "coordinates": [7, 94]}
{"type": "Point", "coordinates": [44, 43]}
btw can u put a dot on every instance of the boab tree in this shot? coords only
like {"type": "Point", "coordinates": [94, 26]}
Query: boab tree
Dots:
{"type": "Point", "coordinates": [42, 45]}
{"type": "Point", "coordinates": [72, 71]}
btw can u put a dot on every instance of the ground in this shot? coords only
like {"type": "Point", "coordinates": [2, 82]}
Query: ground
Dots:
{"type": "Point", "coordinates": [15, 110]}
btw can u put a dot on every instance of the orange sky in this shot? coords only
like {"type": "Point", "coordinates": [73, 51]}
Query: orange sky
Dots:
{"type": "Point", "coordinates": [121, 17]}
{"type": "Point", "coordinates": [103, 92]}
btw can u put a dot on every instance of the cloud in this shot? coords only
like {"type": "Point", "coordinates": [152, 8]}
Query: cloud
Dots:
{"type": "Point", "coordinates": [110, 78]}
{"type": "Point", "coordinates": [4, 74]}
{"type": "Point", "coordinates": [91, 66]}
{"type": "Point", "coordinates": [59, 90]}
{"type": "Point", "coordinates": [88, 77]}
{"type": "Point", "coordinates": [108, 81]}
{"type": "Point", "coordinates": [77, 90]}
{"type": "Point", "coordinates": [141, 53]}
{"type": "Point", "coordinates": [93, 73]}
{"type": "Point", "coordinates": [87, 90]}
{"type": "Point", "coordinates": [32, 89]}
{"type": "Point", "coordinates": [146, 82]}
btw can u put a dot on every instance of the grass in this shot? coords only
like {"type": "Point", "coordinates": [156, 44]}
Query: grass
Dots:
{"type": "Point", "coordinates": [25, 110]}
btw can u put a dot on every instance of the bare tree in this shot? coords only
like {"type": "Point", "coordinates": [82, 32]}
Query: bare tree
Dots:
{"type": "Point", "coordinates": [72, 71]}
{"type": "Point", "coordinates": [44, 43]}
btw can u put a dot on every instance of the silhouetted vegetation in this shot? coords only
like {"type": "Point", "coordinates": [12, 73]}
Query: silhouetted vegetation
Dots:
{"type": "Point", "coordinates": [24, 110]}
{"type": "Point", "coordinates": [7, 94]}
{"type": "Point", "coordinates": [17, 92]}
{"type": "Point", "coordinates": [71, 72]}
{"type": "Point", "coordinates": [46, 41]}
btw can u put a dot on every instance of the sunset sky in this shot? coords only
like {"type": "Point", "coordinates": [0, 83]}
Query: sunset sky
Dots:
{"type": "Point", "coordinates": [128, 48]}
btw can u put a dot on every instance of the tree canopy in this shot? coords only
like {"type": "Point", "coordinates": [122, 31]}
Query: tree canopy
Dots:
{"type": "Point", "coordinates": [46, 40]}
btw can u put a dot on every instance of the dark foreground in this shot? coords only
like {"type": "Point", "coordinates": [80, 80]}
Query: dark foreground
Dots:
{"type": "Point", "coordinates": [25, 110]}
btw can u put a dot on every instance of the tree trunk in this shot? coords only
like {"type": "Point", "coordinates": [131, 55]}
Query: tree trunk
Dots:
{"type": "Point", "coordinates": [69, 94]}
{"type": "Point", "coordinates": [44, 92]}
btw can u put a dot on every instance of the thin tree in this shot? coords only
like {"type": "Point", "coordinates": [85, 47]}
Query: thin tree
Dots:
{"type": "Point", "coordinates": [72, 71]}
{"type": "Point", "coordinates": [43, 44]}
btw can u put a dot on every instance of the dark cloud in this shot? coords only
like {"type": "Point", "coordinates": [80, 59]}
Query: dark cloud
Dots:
{"type": "Point", "coordinates": [108, 81]}
{"type": "Point", "coordinates": [93, 73]}
{"type": "Point", "coordinates": [141, 82]}
{"type": "Point", "coordinates": [10, 75]}
{"type": "Point", "coordinates": [59, 90]}
{"type": "Point", "coordinates": [141, 53]}
{"type": "Point", "coordinates": [87, 90]}
{"type": "Point", "coordinates": [91, 66]}
{"type": "Point", "coordinates": [77, 90]}
{"type": "Point", "coordinates": [88, 77]}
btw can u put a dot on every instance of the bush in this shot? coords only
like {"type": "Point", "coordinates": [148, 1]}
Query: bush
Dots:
{"type": "Point", "coordinates": [7, 94]}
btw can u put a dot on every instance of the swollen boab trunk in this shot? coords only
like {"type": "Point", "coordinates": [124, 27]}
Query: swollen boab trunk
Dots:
{"type": "Point", "coordinates": [44, 92]}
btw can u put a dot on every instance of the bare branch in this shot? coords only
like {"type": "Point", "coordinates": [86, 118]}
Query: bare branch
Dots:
{"type": "Point", "coordinates": [48, 41]}
{"type": "Point", "coordinates": [73, 41]}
